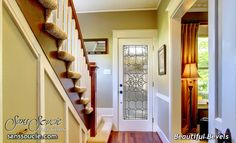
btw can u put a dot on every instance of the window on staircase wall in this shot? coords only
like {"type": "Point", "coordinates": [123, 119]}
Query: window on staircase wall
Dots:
{"type": "Point", "coordinates": [203, 84]}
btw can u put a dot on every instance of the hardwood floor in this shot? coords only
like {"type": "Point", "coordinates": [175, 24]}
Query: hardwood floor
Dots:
{"type": "Point", "coordinates": [134, 137]}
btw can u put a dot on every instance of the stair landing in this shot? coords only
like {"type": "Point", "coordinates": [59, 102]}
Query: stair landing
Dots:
{"type": "Point", "coordinates": [103, 133]}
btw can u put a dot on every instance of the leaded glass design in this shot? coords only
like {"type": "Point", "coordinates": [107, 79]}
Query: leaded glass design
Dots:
{"type": "Point", "coordinates": [135, 82]}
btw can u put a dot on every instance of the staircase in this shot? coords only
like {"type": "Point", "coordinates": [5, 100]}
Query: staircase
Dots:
{"type": "Point", "coordinates": [57, 31]}
{"type": "Point", "coordinates": [55, 25]}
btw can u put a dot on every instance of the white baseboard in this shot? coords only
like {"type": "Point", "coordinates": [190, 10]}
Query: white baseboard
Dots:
{"type": "Point", "coordinates": [162, 135]}
{"type": "Point", "coordinates": [105, 113]}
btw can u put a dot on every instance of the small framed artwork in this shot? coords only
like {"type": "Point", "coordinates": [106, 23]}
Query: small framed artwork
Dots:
{"type": "Point", "coordinates": [162, 60]}
{"type": "Point", "coordinates": [96, 46]}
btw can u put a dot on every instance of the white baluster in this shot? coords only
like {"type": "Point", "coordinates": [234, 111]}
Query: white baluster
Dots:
{"type": "Point", "coordinates": [89, 85]}
{"type": "Point", "coordinates": [79, 56]}
{"type": "Point", "coordinates": [84, 73]}
{"type": "Point", "coordinates": [72, 52]}
{"type": "Point", "coordinates": [76, 51]}
{"type": "Point", "coordinates": [54, 16]}
{"type": "Point", "coordinates": [60, 13]}
{"type": "Point", "coordinates": [81, 65]}
{"type": "Point", "coordinates": [86, 80]}
{"type": "Point", "coordinates": [65, 14]}
{"type": "Point", "coordinates": [50, 19]}
{"type": "Point", "coordinates": [69, 19]}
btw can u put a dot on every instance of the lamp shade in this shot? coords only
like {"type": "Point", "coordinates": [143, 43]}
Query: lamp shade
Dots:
{"type": "Point", "coordinates": [190, 71]}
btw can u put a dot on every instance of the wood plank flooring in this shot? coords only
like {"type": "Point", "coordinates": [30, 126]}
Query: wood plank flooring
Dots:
{"type": "Point", "coordinates": [134, 137]}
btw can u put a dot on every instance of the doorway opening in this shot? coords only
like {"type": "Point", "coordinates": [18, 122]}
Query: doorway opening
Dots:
{"type": "Point", "coordinates": [195, 77]}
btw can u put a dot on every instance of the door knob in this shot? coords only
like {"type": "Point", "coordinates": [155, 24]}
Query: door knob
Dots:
{"type": "Point", "coordinates": [226, 138]}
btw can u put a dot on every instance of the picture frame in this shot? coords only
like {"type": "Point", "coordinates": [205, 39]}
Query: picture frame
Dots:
{"type": "Point", "coordinates": [162, 60]}
{"type": "Point", "coordinates": [96, 46]}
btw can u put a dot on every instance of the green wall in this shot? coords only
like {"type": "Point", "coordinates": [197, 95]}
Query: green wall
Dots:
{"type": "Point", "coordinates": [163, 80]}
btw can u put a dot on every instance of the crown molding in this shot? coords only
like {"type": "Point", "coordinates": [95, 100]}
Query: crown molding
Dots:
{"type": "Point", "coordinates": [199, 7]}
{"type": "Point", "coordinates": [117, 10]}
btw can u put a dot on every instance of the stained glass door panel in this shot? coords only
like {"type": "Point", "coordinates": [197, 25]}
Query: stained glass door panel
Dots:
{"type": "Point", "coordinates": [135, 79]}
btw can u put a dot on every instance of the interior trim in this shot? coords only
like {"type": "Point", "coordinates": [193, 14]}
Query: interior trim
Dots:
{"type": "Point", "coordinates": [116, 10]}
{"type": "Point", "coordinates": [163, 97]}
{"type": "Point", "coordinates": [1, 77]}
{"type": "Point", "coordinates": [163, 137]}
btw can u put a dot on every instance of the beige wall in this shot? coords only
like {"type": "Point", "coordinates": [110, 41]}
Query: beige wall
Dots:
{"type": "Point", "coordinates": [163, 33]}
{"type": "Point", "coordinates": [54, 109]}
{"type": "Point", "coordinates": [74, 130]}
{"type": "Point", "coordinates": [100, 25]}
{"type": "Point", "coordinates": [163, 80]}
{"type": "Point", "coordinates": [19, 78]}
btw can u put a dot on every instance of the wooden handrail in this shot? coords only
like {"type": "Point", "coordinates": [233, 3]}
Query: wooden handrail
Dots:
{"type": "Point", "coordinates": [80, 36]}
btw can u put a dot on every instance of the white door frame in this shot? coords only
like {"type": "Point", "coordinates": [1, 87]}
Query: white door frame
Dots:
{"type": "Point", "coordinates": [176, 9]}
{"type": "Point", "coordinates": [117, 34]}
{"type": "Point", "coordinates": [1, 78]}
{"type": "Point", "coordinates": [213, 51]}
{"type": "Point", "coordinates": [222, 71]}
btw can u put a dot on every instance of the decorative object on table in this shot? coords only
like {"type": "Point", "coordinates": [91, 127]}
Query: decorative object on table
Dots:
{"type": "Point", "coordinates": [96, 46]}
{"type": "Point", "coordinates": [162, 60]}
{"type": "Point", "coordinates": [190, 74]}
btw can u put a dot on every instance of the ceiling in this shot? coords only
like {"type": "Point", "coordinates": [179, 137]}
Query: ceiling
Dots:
{"type": "Point", "coordinates": [87, 6]}
{"type": "Point", "coordinates": [200, 6]}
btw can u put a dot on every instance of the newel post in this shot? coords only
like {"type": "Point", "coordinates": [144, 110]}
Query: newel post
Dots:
{"type": "Point", "coordinates": [93, 120]}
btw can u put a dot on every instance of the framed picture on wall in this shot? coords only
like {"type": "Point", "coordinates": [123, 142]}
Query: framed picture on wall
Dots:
{"type": "Point", "coordinates": [96, 46]}
{"type": "Point", "coordinates": [162, 60]}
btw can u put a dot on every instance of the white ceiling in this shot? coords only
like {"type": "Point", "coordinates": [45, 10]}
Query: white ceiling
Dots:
{"type": "Point", "coordinates": [86, 6]}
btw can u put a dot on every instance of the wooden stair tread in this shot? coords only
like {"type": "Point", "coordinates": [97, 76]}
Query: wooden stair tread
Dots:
{"type": "Point", "coordinates": [73, 75]}
{"type": "Point", "coordinates": [103, 133]}
{"type": "Point", "coordinates": [55, 31]}
{"type": "Point", "coordinates": [49, 4]}
{"type": "Point", "coordinates": [65, 56]}
{"type": "Point", "coordinates": [84, 100]}
{"type": "Point", "coordinates": [88, 110]}
{"type": "Point", "coordinates": [79, 89]}
{"type": "Point", "coordinates": [99, 121]}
